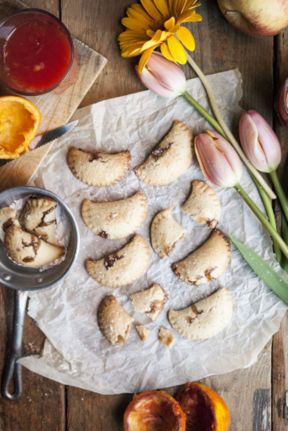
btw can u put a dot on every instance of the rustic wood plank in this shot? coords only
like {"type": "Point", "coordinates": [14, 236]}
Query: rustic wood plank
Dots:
{"type": "Point", "coordinates": [279, 380]}
{"type": "Point", "coordinates": [41, 396]}
{"type": "Point", "coordinates": [102, 24]}
{"type": "Point", "coordinates": [248, 394]}
{"type": "Point", "coordinates": [280, 340]}
{"type": "Point", "coordinates": [56, 107]}
{"type": "Point", "coordinates": [91, 412]}
{"type": "Point", "coordinates": [219, 47]}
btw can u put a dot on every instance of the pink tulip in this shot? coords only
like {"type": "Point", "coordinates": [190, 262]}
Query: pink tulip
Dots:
{"type": "Point", "coordinates": [163, 77]}
{"type": "Point", "coordinates": [218, 160]}
{"type": "Point", "coordinates": [283, 103]}
{"type": "Point", "coordinates": [259, 142]}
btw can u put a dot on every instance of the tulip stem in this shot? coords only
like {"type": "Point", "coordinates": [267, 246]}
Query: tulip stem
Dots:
{"type": "Point", "coordinates": [271, 216]}
{"type": "Point", "coordinates": [273, 232]}
{"type": "Point", "coordinates": [203, 112]}
{"type": "Point", "coordinates": [280, 193]}
{"type": "Point", "coordinates": [228, 135]}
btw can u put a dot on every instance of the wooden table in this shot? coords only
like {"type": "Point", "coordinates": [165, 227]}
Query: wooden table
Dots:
{"type": "Point", "coordinates": [256, 396]}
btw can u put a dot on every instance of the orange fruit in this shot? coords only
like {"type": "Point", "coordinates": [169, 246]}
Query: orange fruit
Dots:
{"type": "Point", "coordinates": [154, 411]}
{"type": "Point", "coordinates": [19, 123]}
{"type": "Point", "coordinates": [205, 410]}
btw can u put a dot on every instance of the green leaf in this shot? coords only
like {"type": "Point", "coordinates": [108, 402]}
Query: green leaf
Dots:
{"type": "Point", "coordinates": [284, 230]}
{"type": "Point", "coordinates": [276, 281]}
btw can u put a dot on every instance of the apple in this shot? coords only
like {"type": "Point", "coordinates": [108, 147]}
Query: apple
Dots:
{"type": "Point", "coordinates": [256, 17]}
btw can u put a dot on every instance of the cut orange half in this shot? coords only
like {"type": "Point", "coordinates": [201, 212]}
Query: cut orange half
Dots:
{"type": "Point", "coordinates": [205, 410]}
{"type": "Point", "coordinates": [154, 411]}
{"type": "Point", "coordinates": [19, 124]}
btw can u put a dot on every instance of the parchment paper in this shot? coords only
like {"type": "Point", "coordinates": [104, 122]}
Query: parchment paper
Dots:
{"type": "Point", "coordinates": [75, 352]}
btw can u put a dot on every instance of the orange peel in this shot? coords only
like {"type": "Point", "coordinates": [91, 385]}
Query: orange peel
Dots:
{"type": "Point", "coordinates": [19, 123]}
{"type": "Point", "coordinates": [154, 411]}
{"type": "Point", "coordinates": [205, 410]}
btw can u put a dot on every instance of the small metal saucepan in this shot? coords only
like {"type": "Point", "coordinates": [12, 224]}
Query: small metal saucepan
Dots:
{"type": "Point", "coordinates": [23, 279]}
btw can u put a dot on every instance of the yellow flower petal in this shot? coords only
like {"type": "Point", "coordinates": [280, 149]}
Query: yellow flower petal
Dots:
{"type": "Point", "coordinates": [190, 16]}
{"type": "Point", "coordinates": [133, 24]}
{"type": "Point", "coordinates": [166, 52]}
{"type": "Point", "coordinates": [144, 58]}
{"type": "Point", "coordinates": [130, 35]}
{"type": "Point", "coordinates": [179, 6]}
{"type": "Point", "coordinates": [139, 8]}
{"type": "Point", "coordinates": [160, 36]}
{"type": "Point", "coordinates": [162, 6]}
{"type": "Point", "coordinates": [151, 9]}
{"type": "Point", "coordinates": [170, 24]}
{"type": "Point", "coordinates": [131, 53]}
{"type": "Point", "coordinates": [150, 44]}
{"type": "Point", "coordinates": [186, 37]}
{"type": "Point", "coordinates": [138, 15]}
{"type": "Point", "coordinates": [150, 33]}
{"type": "Point", "coordinates": [177, 50]}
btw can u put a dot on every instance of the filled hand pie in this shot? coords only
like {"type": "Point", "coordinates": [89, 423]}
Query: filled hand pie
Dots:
{"type": "Point", "coordinates": [207, 262]}
{"type": "Point", "coordinates": [7, 214]}
{"type": "Point", "coordinates": [169, 159]}
{"type": "Point", "coordinates": [165, 233]}
{"type": "Point", "coordinates": [28, 249]}
{"type": "Point", "coordinates": [123, 266]}
{"type": "Point", "coordinates": [98, 168]}
{"type": "Point", "coordinates": [39, 217]}
{"type": "Point", "coordinates": [114, 322]}
{"type": "Point", "coordinates": [205, 318]}
{"type": "Point", "coordinates": [203, 204]}
{"type": "Point", "coordinates": [149, 301]}
{"type": "Point", "coordinates": [115, 219]}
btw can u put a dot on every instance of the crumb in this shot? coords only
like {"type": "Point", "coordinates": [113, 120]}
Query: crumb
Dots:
{"type": "Point", "coordinates": [165, 337]}
{"type": "Point", "coordinates": [142, 332]}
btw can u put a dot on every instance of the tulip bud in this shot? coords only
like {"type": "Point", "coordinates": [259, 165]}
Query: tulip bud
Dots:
{"type": "Point", "coordinates": [218, 160]}
{"type": "Point", "coordinates": [162, 76]}
{"type": "Point", "coordinates": [259, 142]}
{"type": "Point", "coordinates": [283, 103]}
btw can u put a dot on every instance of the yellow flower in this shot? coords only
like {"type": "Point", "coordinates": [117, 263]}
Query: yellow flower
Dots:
{"type": "Point", "coordinates": [157, 23]}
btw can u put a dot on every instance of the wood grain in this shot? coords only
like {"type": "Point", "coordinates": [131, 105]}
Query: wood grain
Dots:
{"type": "Point", "coordinates": [56, 107]}
{"type": "Point", "coordinates": [280, 340]}
{"type": "Point", "coordinates": [219, 47]}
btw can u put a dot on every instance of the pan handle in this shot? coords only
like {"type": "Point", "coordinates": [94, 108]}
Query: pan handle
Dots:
{"type": "Point", "coordinates": [13, 371]}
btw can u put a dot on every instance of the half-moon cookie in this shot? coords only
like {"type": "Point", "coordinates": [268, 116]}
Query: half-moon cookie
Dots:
{"type": "Point", "coordinates": [149, 301]}
{"type": "Point", "coordinates": [123, 266]}
{"type": "Point", "coordinates": [98, 168]}
{"type": "Point", "coordinates": [27, 249]}
{"type": "Point", "coordinates": [114, 322]}
{"type": "Point", "coordinates": [205, 318]}
{"type": "Point", "coordinates": [207, 262]}
{"type": "Point", "coordinates": [39, 217]}
{"type": "Point", "coordinates": [165, 233]}
{"type": "Point", "coordinates": [169, 159]}
{"type": "Point", "coordinates": [115, 219]}
{"type": "Point", "coordinates": [203, 204]}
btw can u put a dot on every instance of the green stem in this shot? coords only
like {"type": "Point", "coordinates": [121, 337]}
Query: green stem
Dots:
{"type": "Point", "coordinates": [225, 128]}
{"type": "Point", "coordinates": [203, 112]}
{"type": "Point", "coordinates": [280, 193]}
{"type": "Point", "coordinates": [271, 216]}
{"type": "Point", "coordinates": [274, 234]}
{"type": "Point", "coordinates": [284, 231]}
